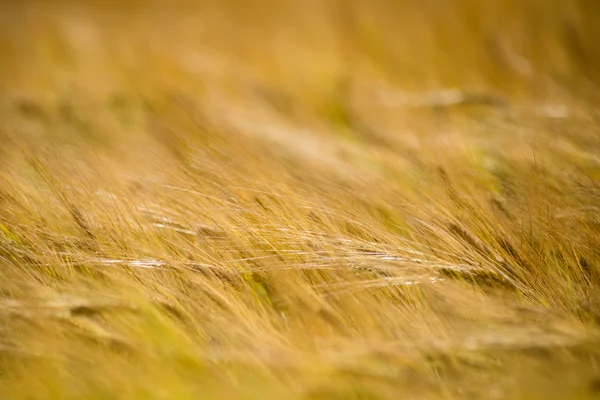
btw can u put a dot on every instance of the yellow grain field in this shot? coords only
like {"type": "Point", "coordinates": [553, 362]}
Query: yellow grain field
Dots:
{"type": "Point", "coordinates": [299, 199]}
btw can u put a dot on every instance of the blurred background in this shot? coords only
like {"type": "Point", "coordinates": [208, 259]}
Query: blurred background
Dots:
{"type": "Point", "coordinates": [292, 52]}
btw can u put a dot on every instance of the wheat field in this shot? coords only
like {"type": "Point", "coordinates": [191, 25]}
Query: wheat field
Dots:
{"type": "Point", "coordinates": [236, 199]}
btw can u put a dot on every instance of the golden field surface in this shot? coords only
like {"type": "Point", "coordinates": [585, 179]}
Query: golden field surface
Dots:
{"type": "Point", "coordinates": [299, 199]}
